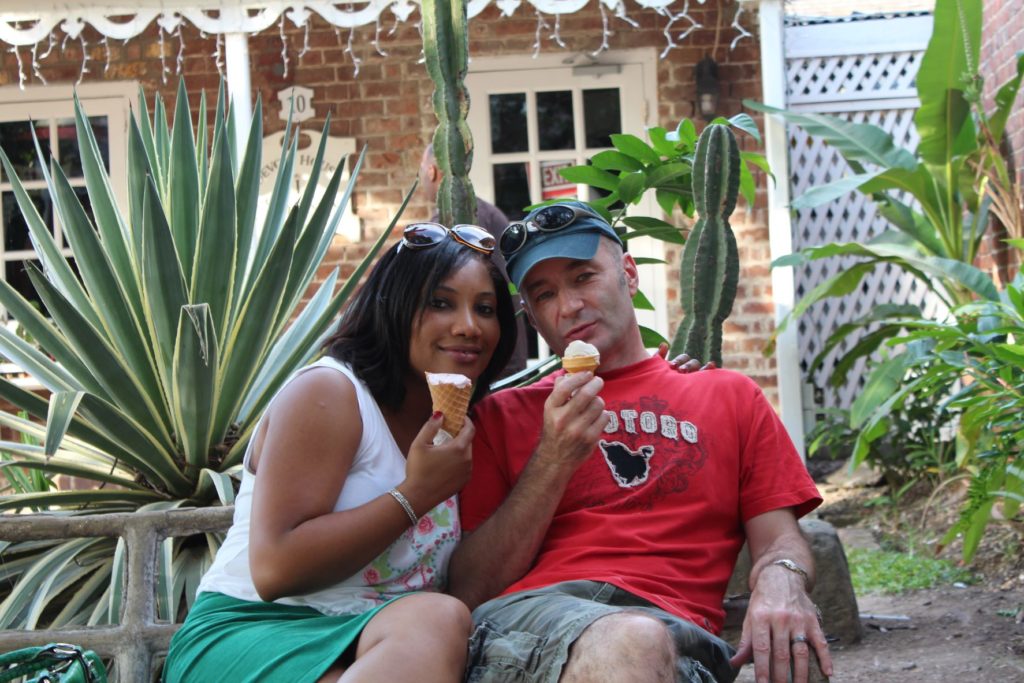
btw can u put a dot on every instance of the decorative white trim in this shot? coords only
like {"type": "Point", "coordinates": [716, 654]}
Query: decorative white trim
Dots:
{"type": "Point", "coordinates": [891, 34]}
{"type": "Point", "coordinates": [235, 16]}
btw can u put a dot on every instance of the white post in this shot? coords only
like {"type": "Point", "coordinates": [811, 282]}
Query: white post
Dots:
{"type": "Point", "coordinates": [236, 62]}
{"type": "Point", "coordinates": [780, 236]}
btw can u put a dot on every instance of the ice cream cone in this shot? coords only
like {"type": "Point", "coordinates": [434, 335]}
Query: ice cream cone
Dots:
{"type": "Point", "coordinates": [580, 356]}
{"type": "Point", "coordinates": [450, 394]}
{"type": "Point", "coordinates": [580, 363]}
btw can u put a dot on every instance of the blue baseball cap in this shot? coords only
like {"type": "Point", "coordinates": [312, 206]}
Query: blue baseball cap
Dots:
{"type": "Point", "coordinates": [578, 239]}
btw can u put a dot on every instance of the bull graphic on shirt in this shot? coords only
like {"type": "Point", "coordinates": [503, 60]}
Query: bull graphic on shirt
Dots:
{"type": "Point", "coordinates": [628, 467]}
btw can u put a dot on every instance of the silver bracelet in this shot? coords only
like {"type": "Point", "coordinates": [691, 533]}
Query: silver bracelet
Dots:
{"type": "Point", "coordinates": [404, 502]}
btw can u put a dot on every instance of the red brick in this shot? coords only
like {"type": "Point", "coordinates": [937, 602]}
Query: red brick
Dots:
{"type": "Point", "coordinates": [387, 108]}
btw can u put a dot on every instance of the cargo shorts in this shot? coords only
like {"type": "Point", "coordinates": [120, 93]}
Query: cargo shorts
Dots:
{"type": "Point", "coordinates": [525, 637]}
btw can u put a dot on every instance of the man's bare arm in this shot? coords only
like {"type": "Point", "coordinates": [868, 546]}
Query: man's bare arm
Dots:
{"type": "Point", "coordinates": [502, 549]}
{"type": "Point", "coordinates": [781, 620]}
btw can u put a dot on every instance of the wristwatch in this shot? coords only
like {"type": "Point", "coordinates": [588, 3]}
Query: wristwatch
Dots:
{"type": "Point", "coordinates": [795, 568]}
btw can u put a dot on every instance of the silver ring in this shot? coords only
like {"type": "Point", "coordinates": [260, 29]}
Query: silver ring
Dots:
{"type": "Point", "coordinates": [800, 638]}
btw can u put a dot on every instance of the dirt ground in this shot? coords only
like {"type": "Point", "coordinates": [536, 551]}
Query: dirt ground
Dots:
{"type": "Point", "coordinates": [945, 634]}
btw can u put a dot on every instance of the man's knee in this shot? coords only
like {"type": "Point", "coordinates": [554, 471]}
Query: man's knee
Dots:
{"type": "Point", "coordinates": [630, 631]}
{"type": "Point", "coordinates": [623, 642]}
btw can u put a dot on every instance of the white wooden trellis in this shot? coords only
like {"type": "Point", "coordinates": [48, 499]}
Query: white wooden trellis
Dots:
{"type": "Point", "coordinates": [862, 70]}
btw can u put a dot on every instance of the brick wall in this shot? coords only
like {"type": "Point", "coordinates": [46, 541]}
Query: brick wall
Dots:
{"type": "Point", "coordinates": [1002, 38]}
{"type": "Point", "coordinates": [387, 109]}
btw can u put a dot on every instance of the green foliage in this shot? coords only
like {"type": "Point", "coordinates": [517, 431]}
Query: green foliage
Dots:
{"type": "Point", "coordinates": [161, 358]}
{"type": "Point", "coordinates": [882, 571]}
{"type": "Point", "coordinates": [963, 372]}
{"type": "Point", "coordinates": [710, 266]}
{"type": "Point", "coordinates": [968, 371]}
{"type": "Point", "coordinates": [915, 445]}
{"type": "Point", "coordinates": [831, 435]}
{"type": "Point", "coordinates": [446, 50]}
{"type": "Point", "coordinates": [955, 178]}
{"type": "Point", "coordinates": [665, 166]}
{"type": "Point", "coordinates": [17, 479]}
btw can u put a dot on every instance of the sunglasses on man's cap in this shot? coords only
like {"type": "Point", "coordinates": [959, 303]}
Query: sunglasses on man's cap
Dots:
{"type": "Point", "coordinates": [548, 219]}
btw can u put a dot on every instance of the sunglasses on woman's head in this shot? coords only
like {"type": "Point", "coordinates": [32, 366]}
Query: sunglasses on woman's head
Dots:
{"type": "Point", "coordinates": [548, 219]}
{"type": "Point", "coordinates": [423, 235]}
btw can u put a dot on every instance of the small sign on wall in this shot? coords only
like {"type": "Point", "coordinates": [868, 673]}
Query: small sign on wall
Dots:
{"type": "Point", "coordinates": [297, 101]}
{"type": "Point", "coordinates": [336, 150]}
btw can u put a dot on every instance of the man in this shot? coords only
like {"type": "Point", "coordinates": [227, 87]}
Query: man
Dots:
{"type": "Point", "coordinates": [490, 218]}
{"type": "Point", "coordinates": [607, 511]}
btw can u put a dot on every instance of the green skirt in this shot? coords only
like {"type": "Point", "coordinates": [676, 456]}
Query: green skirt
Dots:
{"type": "Point", "coordinates": [226, 639]}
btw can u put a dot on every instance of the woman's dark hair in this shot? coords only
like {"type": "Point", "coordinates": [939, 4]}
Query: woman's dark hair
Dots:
{"type": "Point", "coordinates": [374, 332]}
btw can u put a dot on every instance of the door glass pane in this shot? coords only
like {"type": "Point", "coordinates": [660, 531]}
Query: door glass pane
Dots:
{"type": "Point", "coordinates": [83, 196]}
{"type": "Point", "coordinates": [70, 157]}
{"type": "Point", "coordinates": [554, 120]}
{"type": "Point", "coordinates": [16, 140]}
{"type": "Point", "coordinates": [601, 116]}
{"type": "Point", "coordinates": [508, 123]}
{"type": "Point", "coordinates": [14, 273]}
{"type": "Point", "coordinates": [16, 235]}
{"type": "Point", "coordinates": [512, 189]}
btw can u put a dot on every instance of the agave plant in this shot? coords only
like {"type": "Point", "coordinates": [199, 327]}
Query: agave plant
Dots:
{"type": "Point", "coordinates": [162, 355]}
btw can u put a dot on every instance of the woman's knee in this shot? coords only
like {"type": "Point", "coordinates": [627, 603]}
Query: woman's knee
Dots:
{"type": "Point", "coordinates": [446, 612]}
{"type": "Point", "coordinates": [421, 621]}
{"type": "Point", "coordinates": [434, 613]}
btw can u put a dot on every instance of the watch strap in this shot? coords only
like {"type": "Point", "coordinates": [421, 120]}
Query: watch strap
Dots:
{"type": "Point", "coordinates": [792, 566]}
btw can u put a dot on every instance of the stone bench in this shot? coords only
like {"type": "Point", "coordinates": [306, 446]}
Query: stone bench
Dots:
{"type": "Point", "coordinates": [139, 639]}
{"type": "Point", "coordinates": [136, 644]}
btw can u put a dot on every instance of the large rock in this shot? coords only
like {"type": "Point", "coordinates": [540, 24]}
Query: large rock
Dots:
{"type": "Point", "coordinates": [833, 589]}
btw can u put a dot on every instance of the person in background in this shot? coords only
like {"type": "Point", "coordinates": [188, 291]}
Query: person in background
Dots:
{"type": "Point", "coordinates": [606, 511]}
{"type": "Point", "coordinates": [347, 513]}
{"type": "Point", "coordinates": [489, 217]}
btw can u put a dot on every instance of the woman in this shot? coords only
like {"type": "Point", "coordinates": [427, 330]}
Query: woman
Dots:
{"type": "Point", "coordinates": [345, 505]}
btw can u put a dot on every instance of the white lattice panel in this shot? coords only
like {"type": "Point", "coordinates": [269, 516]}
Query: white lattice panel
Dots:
{"type": "Point", "coordinates": [851, 77]}
{"type": "Point", "coordinates": [876, 88]}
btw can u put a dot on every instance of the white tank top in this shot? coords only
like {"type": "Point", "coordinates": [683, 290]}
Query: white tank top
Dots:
{"type": "Point", "coordinates": [416, 561]}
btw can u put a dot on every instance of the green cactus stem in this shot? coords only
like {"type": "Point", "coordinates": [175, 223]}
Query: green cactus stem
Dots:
{"type": "Point", "coordinates": [446, 48]}
{"type": "Point", "coordinates": [710, 267]}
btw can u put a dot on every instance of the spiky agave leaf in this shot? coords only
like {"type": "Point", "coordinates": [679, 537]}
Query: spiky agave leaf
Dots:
{"type": "Point", "coordinates": [155, 356]}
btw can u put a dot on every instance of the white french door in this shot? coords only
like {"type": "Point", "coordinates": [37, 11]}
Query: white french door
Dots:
{"type": "Point", "coordinates": [532, 117]}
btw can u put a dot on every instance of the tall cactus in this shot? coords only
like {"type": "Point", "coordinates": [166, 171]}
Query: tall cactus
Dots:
{"type": "Point", "coordinates": [710, 266]}
{"type": "Point", "coordinates": [446, 48]}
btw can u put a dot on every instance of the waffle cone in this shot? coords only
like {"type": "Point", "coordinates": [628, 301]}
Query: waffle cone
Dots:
{"type": "Point", "coordinates": [453, 402]}
{"type": "Point", "coordinates": [580, 363]}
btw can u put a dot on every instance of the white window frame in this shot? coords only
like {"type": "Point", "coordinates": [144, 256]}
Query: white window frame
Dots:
{"type": "Point", "coordinates": [633, 71]}
{"type": "Point", "coordinates": [113, 100]}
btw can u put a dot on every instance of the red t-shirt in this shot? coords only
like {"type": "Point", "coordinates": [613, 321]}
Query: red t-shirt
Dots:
{"type": "Point", "coordinates": [658, 508]}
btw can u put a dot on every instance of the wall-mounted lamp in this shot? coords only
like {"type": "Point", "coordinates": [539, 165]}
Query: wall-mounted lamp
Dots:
{"type": "Point", "coordinates": [708, 88]}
